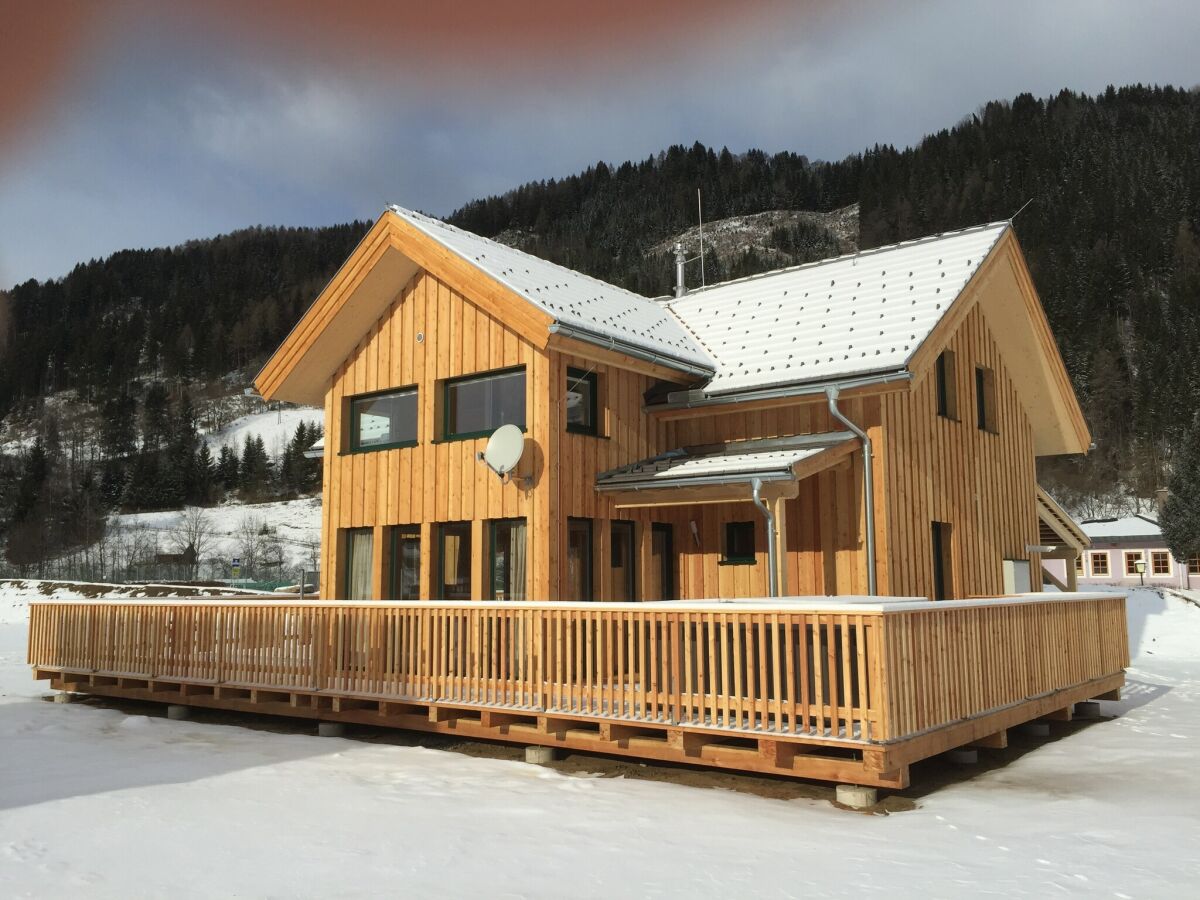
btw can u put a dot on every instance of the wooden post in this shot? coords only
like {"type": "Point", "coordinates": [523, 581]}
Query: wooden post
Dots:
{"type": "Point", "coordinates": [602, 558]}
{"type": "Point", "coordinates": [428, 586]}
{"type": "Point", "coordinates": [381, 565]}
{"type": "Point", "coordinates": [643, 536]}
{"type": "Point", "coordinates": [481, 589]}
{"type": "Point", "coordinates": [779, 510]}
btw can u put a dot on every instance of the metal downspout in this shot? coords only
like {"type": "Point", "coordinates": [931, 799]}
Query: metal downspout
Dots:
{"type": "Point", "coordinates": [831, 392]}
{"type": "Point", "coordinates": [773, 574]}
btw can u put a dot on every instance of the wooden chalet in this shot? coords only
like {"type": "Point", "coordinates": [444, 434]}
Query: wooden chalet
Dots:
{"type": "Point", "coordinates": [784, 472]}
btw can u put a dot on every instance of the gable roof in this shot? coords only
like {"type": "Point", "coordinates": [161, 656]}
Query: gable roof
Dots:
{"type": "Point", "coordinates": [1127, 527]}
{"type": "Point", "coordinates": [570, 298]}
{"type": "Point", "coordinates": [844, 317]}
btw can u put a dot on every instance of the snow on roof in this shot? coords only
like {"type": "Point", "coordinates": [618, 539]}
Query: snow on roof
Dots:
{"type": "Point", "coordinates": [733, 462]}
{"type": "Point", "coordinates": [848, 316]}
{"type": "Point", "coordinates": [1126, 527]}
{"type": "Point", "coordinates": [570, 297]}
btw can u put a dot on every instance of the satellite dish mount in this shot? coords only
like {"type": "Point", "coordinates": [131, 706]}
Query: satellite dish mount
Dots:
{"type": "Point", "coordinates": [503, 453]}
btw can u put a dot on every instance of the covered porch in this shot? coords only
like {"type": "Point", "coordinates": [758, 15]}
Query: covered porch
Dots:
{"type": "Point", "coordinates": [756, 518]}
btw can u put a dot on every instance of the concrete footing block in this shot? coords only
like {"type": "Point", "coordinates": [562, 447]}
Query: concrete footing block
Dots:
{"type": "Point", "coordinates": [1087, 709]}
{"type": "Point", "coordinates": [856, 796]}
{"type": "Point", "coordinates": [176, 711]}
{"type": "Point", "coordinates": [540, 756]}
{"type": "Point", "coordinates": [1036, 729]}
{"type": "Point", "coordinates": [964, 756]}
{"type": "Point", "coordinates": [64, 697]}
{"type": "Point", "coordinates": [331, 729]}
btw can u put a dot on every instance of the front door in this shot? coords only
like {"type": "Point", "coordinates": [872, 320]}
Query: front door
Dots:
{"type": "Point", "coordinates": [662, 562]}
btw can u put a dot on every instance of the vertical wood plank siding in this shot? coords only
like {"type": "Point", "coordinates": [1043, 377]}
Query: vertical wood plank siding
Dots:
{"type": "Point", "coordinates": [833, 674]}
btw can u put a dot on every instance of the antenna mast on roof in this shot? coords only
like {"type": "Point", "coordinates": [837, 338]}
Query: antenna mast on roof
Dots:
{"type": "Point", "coordinates": [681, 259]}
{"type": "Point", "coordinates": [1021, 210]}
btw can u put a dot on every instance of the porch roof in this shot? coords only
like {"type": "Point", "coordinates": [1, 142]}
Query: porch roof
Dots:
{"type": "Point", "coordinates": [736, 463]}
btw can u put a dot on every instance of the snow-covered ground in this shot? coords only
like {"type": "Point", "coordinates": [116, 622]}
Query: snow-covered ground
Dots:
{"type": "Point", "coordinates": [297, 523]}
{"type": "Point", "coordinates": [98, 801]}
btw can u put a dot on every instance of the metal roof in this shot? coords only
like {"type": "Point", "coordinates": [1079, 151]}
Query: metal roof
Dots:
{"type": "Point", "coordinates": [1129, 526]}
{"type": "Point", "coordinates": [571, 298]}
{"type": "Point", "coordinates": [771, 460]}
{"type": "Point", "coordinates": [844, 317]}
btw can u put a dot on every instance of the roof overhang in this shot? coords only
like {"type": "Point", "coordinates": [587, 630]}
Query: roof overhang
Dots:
{"type": "Point", "coordinates": [1066, 530]}
{"type": "Point", "coordinates": [1003, 290]}
{"type": "Point", "coordinates": [725, 473]}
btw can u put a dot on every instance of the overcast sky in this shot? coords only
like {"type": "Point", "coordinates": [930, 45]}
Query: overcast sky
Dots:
{"type": "Point", "coordinates": [166, 128]}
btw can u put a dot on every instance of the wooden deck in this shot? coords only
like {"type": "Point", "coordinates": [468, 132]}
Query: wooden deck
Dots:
{"type": "Point", "coordinates": [824, 688]}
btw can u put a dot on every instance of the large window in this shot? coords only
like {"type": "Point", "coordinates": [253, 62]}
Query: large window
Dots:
{"type": "Point", "coordinates": [1099, 564]}
{"type": "Point", "coordinates": [478, 405]}
{"type": "Point", "coordinates": [581, 402]}
{"type": "Point", "coordinates": [985, 399]}
{"type": "Point", "coordinates": [947, 395]}
{"type": "Point", "coordinates": [360, 563]}
{"type": "Point", "coordinates": [508, 559]}
{"type": "Point", "coordinates": [579, 560]}
{"type": "Point", "coordinates": [405, 581]}
{"type": "Point", "coordinates": [380, 421]}
{"type": "Point", "coordinates": [454, 561]}
{"type": "Point", "coordinates": [1160, 562]}
{"type": "Point", "coordinates": [624, 584]}
{"type": "Point", "coordinates": [739, 544]}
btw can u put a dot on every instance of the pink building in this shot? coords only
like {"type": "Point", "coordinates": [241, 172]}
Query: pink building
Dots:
{"type": "Point", "coordinates": [1119, 545]}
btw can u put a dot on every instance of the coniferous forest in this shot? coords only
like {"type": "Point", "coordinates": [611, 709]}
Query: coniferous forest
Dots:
{"type": "Point", "coordinates": [1109, 188]}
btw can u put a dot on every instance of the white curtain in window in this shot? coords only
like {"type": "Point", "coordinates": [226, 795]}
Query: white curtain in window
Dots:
{"type": "Point", "coordinates": [360, 559]}
{"type": "Point", "coordinates": [517, 549]}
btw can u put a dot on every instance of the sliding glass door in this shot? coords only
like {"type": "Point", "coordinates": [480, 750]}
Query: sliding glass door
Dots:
{"type": "Point", "coordinates": [360, 561]}
{"type": "Point", "coordinates": [454, 561]}
{"type": "Point", "coordinates": [508, 571]}
{"type": "Point", "coordinates": [406, 563]}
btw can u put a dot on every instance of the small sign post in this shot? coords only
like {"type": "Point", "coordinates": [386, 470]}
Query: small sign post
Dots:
{"type": "Point", "coordinates": [237, 570]}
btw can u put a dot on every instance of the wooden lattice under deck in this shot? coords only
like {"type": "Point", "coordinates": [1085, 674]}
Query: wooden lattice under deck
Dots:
{"type": "Point", "coordinates": [821, 688]}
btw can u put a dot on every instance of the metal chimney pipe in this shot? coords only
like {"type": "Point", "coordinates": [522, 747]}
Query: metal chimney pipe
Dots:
{"type": "Point", "coordinates": [680, 262]}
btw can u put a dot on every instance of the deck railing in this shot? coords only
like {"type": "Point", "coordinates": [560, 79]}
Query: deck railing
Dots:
{"type": "Point", "coordinates": [837, 671]}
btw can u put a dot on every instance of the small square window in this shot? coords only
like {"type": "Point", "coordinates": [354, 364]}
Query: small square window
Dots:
{"type": "Point", "coordinates": [1131, 561]}
{"type": "Point", "coordinates": [1099, 563]}
{"type": "Point", "coordinates": [1079, 565]}
{"type": "Point", "coordinates": [581, 402]}
{"type": "Point", "coordinates": [739, 544]}
{"type": "Point", "coordinates": [1193, 565]}
{"type": "Point", "coordinates": [1160, 562]}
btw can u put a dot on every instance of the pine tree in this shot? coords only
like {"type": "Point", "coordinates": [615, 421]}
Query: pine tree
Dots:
{"type": "Point", "coordinates": [227, 468]}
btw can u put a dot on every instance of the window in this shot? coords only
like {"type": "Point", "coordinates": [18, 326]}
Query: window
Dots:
{"type": "Point", "coordinates": [508, 559]}
{"type": "Point", "coordinates": [380, 421]}
{"type": "Point", "coordinates": [1099, 564]}
{"type": "Point", "coordinates": [1079, 564]}
{"type": "Point", "coordinates": [661, 585]}
{"type": "Point", "coordinates": [943, 569]}
{"type": "Point", "coordinates": [1160, 562]}
{"type": "Point", "coordinates": [579, 560]}
{"type": "Point", "coordinates": [405, 580]}
{"type": "Point", "coordinates": [621, 552]}
{"type": "Point", "coordinates": [477, 405]}
{"type": "Point", "coordinates": [1132, 558]}
{"type": "Point", "coordinates": [1193, 565]}
{"type": "Point", "coordinates": [581, 402]}
{"type": "Point", "coordinates": [739, 544]}
{"type": "Point", "coordinates": [360, 563]}
{"type": "Point", "coordinates": [947, 393]}
{"type": "Point", "coordinates": [454, 561]}
{"type": "Point", "coordinates": [985, 399]}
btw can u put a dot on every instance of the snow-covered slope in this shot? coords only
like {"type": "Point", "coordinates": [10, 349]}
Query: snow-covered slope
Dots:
{"type": "Point", "coordinates": [275, 427]}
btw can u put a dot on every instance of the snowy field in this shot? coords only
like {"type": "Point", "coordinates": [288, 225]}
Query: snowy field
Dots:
{"type": "Point", "coordinates": [100, 802]}
{"type": "Point", "coordinates": [276, 428]}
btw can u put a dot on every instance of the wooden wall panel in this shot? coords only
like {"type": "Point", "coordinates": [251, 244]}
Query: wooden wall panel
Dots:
{"type": "Point", "coordinates": [983, 484]}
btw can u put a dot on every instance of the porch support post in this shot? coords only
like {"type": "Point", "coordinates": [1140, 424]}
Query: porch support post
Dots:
{"type": "Point", "coordinates": [1072, 573]}
{"type": "Point", "coordinates": [779, 508]}
{"type": "Point", "coordinates": [380, 570]}
{"type": "Point", "coordinates": [831, 394]}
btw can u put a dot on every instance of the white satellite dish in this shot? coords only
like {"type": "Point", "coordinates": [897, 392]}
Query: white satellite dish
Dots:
{"type": "Point", "coordinates": [504, 449]}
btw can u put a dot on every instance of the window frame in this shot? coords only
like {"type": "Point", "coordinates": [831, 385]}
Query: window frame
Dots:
{"type": "Point", "coordinates": [401, 533]}
{"type": "Point", "coordinates": [1093, 555]}
{"type": "Point", "coordinates": [946, 385]}
{"type": "Point", "coordinates": [1131, 560]}
{"type": "Point", "coordinates": [352, 445]}
{"type": "Point", "coordinates": [727, 558]}
{"type": "Point", "coordinates": [582, 525]}
{"type": "Point", "coordinates": [440, 560]}
{"type": "Point", "coordinates": [1080, 567]}
{"type": "Point", "coordinates": [1193, 565]}
{"type": "Point", "coordinates": [1155, 555]}
{"type": "Point", "coordinates": [985, 400]}
{"type": "Point", "coordinates": [589, 377]}
{"type": "Point", "coordinates": [348, 535]}
{"type": "Point", "coordinates": [629, 527]}
{"type": "Point", "coordinates": [492, 527]}
{"type": "Point", "coordinates": [447, 436]}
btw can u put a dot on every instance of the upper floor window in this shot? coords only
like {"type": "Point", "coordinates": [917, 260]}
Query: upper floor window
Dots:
{"type": "Point", "coordinates": [477, 405]}
{"type": "Point", "coordinates": [380, 421]}
{"type": "Point", "coordinates": [947, 394]}
{"type": "Point", "coordinates": [581, 402]}
{"type": "Point", "coordinates": [985, 399]}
